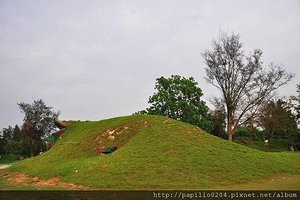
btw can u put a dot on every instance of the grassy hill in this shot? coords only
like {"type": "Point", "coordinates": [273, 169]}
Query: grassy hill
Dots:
{"type": "Point", "coordinates": [153, 152]}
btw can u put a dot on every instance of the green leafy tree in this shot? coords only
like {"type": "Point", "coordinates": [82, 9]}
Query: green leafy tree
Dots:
{"type": "Point", "coordinates": [242, 80]}
{"type": "Point", "coordinates": [2, 144]}
{"type": "Point", "coordinates": [251, 132]}
{"type": "Point", "coordinates": [278, 121]}
{"type": "Point", "coordinates": [33, 139]}
{"type": "Point", "coordinates": [39, 121]}
{"type": "Point", "coordinates": [179, 98]}
{"type": "Point", "coordinates": [17, 134]}
{"type": "Point", "coordinates": [11, 141]}
{"type": "Point", "coordinates": [6, 136]}
{"type": "Point", "coordinates": [15, 147]}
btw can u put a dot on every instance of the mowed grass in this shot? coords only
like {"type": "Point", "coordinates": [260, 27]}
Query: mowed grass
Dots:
{"type": "Point", "coordinates": [153, 152]}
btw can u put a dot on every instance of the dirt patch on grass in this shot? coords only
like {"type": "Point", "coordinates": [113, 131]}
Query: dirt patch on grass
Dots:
{"type": "Point", "coordinates": [4, 166]}
{"type": "Point", "coordinates": [118, 136]}
{"type": "Point", "coordinates": [55, 182]}
{"type": "Point", "coordinates": [17, 178]}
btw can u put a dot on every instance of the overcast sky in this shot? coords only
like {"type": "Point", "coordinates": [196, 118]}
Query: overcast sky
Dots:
{"type": "Point", "coordinates": [99, 59]}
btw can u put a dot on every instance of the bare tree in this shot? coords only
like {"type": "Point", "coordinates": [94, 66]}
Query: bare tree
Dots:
{"type": "Point", "coordinates": [243, 81]}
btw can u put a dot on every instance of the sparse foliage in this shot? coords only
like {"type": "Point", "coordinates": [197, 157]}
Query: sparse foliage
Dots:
{"type": "Point", "coordinates": [243, 81]}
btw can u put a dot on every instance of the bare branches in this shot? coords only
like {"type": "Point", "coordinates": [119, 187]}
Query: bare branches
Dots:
{"type": "Point", "coordinates": [244, 83]}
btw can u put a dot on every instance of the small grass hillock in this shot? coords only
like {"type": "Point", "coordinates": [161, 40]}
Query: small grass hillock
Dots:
{"type": "Point", "coordinates": [153, 152]}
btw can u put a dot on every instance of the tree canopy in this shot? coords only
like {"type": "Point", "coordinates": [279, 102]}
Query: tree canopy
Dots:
{"type": "Point", "coordinates": [39, 121]}
{"type": "Point", "coordinates": [277, 120]}
{"type": "Point", "coordinates": [179, 98]}
{"type": "Point", "coordinates": [40, 116]}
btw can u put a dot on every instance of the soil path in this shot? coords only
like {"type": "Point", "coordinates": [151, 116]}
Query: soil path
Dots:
{"type": "Point", "coordinates": [4, 166]}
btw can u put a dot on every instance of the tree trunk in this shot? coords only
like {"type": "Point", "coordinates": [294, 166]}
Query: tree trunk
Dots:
{"type": "Point", "coordinates": [31, 149]}
{"type": "Point", "coordinates": [229, 135]}
{"type": "Point", "coordinates": [229, 126]}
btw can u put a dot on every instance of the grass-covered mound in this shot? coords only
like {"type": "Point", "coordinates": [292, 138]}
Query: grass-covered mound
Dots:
{"type": "Point", "coordinates": [153, 153]}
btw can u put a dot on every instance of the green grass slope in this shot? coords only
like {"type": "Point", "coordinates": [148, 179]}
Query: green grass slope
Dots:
{"type": "Point", "coordinates": [154, 152]}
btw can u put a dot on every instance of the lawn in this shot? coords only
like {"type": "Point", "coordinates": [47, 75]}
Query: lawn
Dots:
{"type": "Point", "coordinates": [154, 152]}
